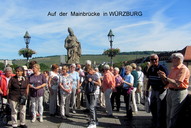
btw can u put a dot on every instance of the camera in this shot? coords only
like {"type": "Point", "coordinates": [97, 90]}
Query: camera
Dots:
{"type": "Point", "coordinates": [22, 100]}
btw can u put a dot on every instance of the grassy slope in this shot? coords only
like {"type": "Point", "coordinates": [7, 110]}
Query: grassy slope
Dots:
{"type": "Point", "coordinates": [97, 58]}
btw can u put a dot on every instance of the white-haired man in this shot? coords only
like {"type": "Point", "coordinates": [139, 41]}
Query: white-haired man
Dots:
{"type": "Point", "coordinates": [178, 82]}
{"type": "Point", "coordinates": [8, 73]}
{"type": "Point", "coordinates": [108, 85]}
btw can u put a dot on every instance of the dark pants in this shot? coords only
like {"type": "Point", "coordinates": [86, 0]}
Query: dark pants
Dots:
{"type": "Point", "coordinates": [92, 108]}
{"type": "Point", "coordinates": [115, 97]}
{"type": "Point", "coordinates": [127, 100]}
{"type": "Point", "coordinates": [158, 110]}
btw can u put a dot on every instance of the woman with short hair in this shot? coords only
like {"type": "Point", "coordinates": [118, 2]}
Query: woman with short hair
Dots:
{"type": "Point", "coordinates": [65, 92]}
{"type": "Point", "coordinates": [75, 86]}
{"type": "Point", "coordinates": [117, 91]}
{"type": "Point", "coordinates": [140, 85]}
{"type": "Point", "coordinates": [37, 84]}
{"type": "Point", "coordinates": [135, 84]}
{"type": "Point", "coordinates": [18, 90]}
{"type": "Point", "coordinates": [53, 84]}
{"type": "Point", "coordinates": [127, 90]}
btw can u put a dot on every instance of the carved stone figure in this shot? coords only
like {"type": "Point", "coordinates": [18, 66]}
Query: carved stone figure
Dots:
{"type": "Point", "coordinates": [73, 47]}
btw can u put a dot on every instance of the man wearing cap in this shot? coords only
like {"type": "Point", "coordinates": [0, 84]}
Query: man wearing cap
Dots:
{"type": "Point", "coordinates": [178, 82]}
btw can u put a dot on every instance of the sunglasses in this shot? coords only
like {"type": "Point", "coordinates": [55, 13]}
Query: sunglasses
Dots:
{"type": "Point", "coordinates": [18, 71]}
{"type": "Point", "coordinates": [153, 59]}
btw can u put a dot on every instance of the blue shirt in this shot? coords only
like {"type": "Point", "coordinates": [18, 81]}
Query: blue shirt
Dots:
{"type": "Point", "coordinates": [122, 72]}
{"type": "Point", "coordinates": [75, 76]}
{"type": "Point", "coordinates": [128, 78]}
{"type": "Point", "coordinates": [153, 79]}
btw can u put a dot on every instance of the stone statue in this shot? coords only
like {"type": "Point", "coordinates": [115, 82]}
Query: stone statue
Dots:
{"type": "Point", "coordinates": [73, 47]}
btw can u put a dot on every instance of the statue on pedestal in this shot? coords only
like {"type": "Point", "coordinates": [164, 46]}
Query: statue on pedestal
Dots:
{"type": "Point", "coordinates": [73, 48]}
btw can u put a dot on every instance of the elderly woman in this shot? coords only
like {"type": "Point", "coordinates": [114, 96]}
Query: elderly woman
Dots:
{"type": "Point", "coordinates": [117, 91]}
{"type": "Point", "coordinates": [17, 93]}
{"type": "Point", "coordinates": [53, 84]}
{"type": "Point", "coordinates": [75, 86]}
{"type": "Point", "coordinates": [135, 84]}
{"type": "Point", "coordinates": [46, 97]}
{"type": "Point", "coordinates": [140, 84]}
{"type": "Point", "coordinates": [178, 82]}
{"type": "Point", "coordinates": [127, 88]}
{"type": "Point", "coordinates": [37, 84]}
{"type": "Point", "coordinates": [65, 92]}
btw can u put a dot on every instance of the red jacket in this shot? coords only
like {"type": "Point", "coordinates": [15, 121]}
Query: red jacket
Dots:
{"type": "Point", "coordinates": [3, 84]}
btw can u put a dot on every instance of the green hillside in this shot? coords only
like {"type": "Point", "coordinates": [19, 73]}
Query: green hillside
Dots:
{"type": "Point", "coordinates": [94, 58]}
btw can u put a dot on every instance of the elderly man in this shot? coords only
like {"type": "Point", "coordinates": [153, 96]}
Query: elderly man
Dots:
{"type": "Point", "coordinates": [8, 73]}
{"type": "Point", "coordinates": [108, 85]}
{"type": "Point", "coordinates": [158, 102]}
{"type": "Point", "coordinates": [178, 82]}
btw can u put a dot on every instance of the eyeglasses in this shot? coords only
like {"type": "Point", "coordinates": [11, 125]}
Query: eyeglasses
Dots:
{"type": "Point", "coordinates": [153, 59]}
{"type": "Point", "coordinates": [19, 71]}
{"type": "Point", "coordinates": [175, 58]}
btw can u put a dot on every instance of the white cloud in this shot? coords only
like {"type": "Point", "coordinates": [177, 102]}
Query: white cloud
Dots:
{"type": "Point", "coordinates": [154, 34]}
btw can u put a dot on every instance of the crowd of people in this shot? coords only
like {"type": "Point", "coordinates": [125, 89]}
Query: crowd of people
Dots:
{"type": "Point", "coordinates": [61, 90]}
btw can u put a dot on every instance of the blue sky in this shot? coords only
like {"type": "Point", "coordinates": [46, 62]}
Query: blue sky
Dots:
{"type": "Point", "coordinates": [165, 25]}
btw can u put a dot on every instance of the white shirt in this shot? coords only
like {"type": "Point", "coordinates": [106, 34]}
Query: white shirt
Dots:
{"type": "Point", "coordinates": [76, 78]}
{"type": "Point", "coordinates": [54, 80]}
{"type": "Point", "coordinates": [66, 83]}
{"type": "Point", "coordinates": [8, 80]}
{"type": "Point", "coordinates": [140, 76]}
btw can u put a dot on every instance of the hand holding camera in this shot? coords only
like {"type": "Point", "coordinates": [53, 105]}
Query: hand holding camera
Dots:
{"type": "Point", "coordinates": [22, 100]}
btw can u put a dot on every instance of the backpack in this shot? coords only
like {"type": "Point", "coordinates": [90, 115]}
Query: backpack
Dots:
{"type": "Point", "coordinates": [89, 87]}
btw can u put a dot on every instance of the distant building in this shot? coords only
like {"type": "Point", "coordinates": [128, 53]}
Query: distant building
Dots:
{"type": "Point", "coordinates": [6, 62]}
{"type": "Point", "coordinates": [185, 51]}
{"type": "Point", "coordinates": [164, 58]}
{"type": "Point", "coordinates": [187, 56]}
